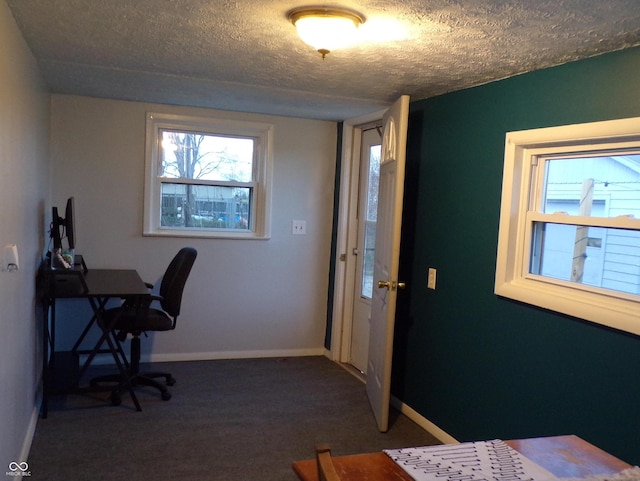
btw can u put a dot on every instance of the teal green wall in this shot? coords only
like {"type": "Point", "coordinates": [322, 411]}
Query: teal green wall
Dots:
{"type": "Point", "coordinates": [476, 365]}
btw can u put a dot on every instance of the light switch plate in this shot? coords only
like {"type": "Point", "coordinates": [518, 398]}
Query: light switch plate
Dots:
{"type": "Point", "coordinates": [299, 227]}
{"type": "Point", "coordinates": [431, 278]}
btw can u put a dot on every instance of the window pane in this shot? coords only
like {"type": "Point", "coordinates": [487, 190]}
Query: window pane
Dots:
{"type": "Point", "coordinates": [594, 256]}
{"type": "Point", "coordinates": [205, 206]}
{"type": "Point", "coordinates": [206, 157]}
{"type": "Point", "coordinates": [369, 258]}
{"type": "Point", "coordinates": [545, 257]}
{"type": "Point", "coordinates": [374, 181]}
{"type": "Point", "coordinates": [605, 186]}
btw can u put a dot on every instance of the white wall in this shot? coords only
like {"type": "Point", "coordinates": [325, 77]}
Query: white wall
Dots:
{"type": "Point", "coordinates": [244, 297]}
{"type": "Point", "coordinates": [24, 191]}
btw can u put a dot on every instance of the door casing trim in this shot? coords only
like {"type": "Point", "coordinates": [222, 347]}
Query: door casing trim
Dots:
{"type": "Point", "coordinates": [347, 235]}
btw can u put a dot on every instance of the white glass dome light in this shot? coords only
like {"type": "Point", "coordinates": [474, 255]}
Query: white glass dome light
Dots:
{"type": "Point", "coordinates": [326, 29]}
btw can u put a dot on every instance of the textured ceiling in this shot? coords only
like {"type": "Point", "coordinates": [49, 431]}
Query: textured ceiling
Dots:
{"type": "Point", "coordinates": [246, 56]}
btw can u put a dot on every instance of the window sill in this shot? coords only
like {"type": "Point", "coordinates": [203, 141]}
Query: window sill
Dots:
{"type": "Point", "coordinates": [615, 313]}
{"type": "Point", "coordinates": [200, 234]}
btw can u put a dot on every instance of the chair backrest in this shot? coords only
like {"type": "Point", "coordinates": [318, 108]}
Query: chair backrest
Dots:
{"type": "Point", "coordinates": [174, 279]}
{"type": "Point", "coordinates": [326, 469]}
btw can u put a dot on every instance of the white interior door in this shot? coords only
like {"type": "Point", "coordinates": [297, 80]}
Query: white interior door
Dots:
{"type": "Point", "coordinates": [387, 253]}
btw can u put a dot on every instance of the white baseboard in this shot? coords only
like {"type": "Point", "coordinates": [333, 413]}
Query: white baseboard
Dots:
{"type": "Point", "coordinates": [216, 356]}
{"type": "Point", "coordinates": [424, 423]}
{"type": "Point", "coordinates": [102, 359]}
{"type": "Point", "coordinates": [30, 433]}
{"type": "Point", "coordinates": [412, 414]}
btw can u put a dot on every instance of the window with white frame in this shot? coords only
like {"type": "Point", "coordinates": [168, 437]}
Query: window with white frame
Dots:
{"type": "Point", "coordinates": [569, 237]}
{"type": "Point", "coordinates": [207, 177]}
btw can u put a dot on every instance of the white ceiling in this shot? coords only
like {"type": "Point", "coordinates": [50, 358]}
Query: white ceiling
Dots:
{"type": "Point", "coordinates": [246, 56]}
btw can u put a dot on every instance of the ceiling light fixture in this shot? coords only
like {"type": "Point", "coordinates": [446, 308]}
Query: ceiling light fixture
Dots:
{"type": "Point", "coordinates": [325, 29]}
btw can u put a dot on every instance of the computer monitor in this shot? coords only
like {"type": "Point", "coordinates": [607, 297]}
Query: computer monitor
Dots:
{"type": "Point", "coordinates": [56, 227]}
{"type": "Point", "coordinates": [69, 222]}
{"type": "Point", "coordinates": [63, 228]}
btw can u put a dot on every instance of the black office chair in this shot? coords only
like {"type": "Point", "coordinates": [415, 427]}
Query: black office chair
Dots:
{"type": "Point", "coordinates": [135, 318]}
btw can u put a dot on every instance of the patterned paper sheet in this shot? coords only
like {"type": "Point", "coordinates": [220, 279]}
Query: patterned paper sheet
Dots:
{"type": "Point", "coordinates": [478, 461]}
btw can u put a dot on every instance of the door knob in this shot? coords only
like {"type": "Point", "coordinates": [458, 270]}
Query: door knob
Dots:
{"type": "Point", "coordinates": [382, 284]}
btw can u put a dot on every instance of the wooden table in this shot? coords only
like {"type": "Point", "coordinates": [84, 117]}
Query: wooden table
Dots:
{"type": "Point", "coordinates": [564, 456]}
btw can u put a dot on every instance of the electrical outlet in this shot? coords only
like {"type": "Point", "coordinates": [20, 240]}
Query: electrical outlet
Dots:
{"type": "Point", "coordinates": [431, 278]}
{"type": "Point", "coordinates": [299, 227]}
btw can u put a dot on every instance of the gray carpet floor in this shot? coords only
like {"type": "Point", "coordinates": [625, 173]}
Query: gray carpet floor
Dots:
{"type": "Point", "coordinates": [230, 420]}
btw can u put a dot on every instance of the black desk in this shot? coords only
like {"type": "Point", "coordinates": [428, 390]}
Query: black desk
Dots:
{"type": "Point", "coordinates": [98, 286]}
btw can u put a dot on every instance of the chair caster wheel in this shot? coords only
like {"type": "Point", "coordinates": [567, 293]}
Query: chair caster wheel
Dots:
{"type": "Point", "coordinates": [171, 381]}
{"type": "Point", "coordinates": [116, 400]}
{"type": "Point", "coordinates": [165, 395]}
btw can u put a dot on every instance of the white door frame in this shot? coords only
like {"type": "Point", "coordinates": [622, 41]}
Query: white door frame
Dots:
{"type": "Point", "coordinates": [347, 236]}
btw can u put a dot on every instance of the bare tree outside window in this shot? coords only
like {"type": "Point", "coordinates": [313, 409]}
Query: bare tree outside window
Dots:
{"type": "Point", "coordinates": [224, 162]}
{"type": "Point", "coordinates": [207, 177]}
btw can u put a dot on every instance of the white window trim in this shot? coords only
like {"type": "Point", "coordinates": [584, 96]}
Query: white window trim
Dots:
{"type": "Point", "coordinates": [512, 279]}
{"type": "Point", "coordinates": [261, 228]}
